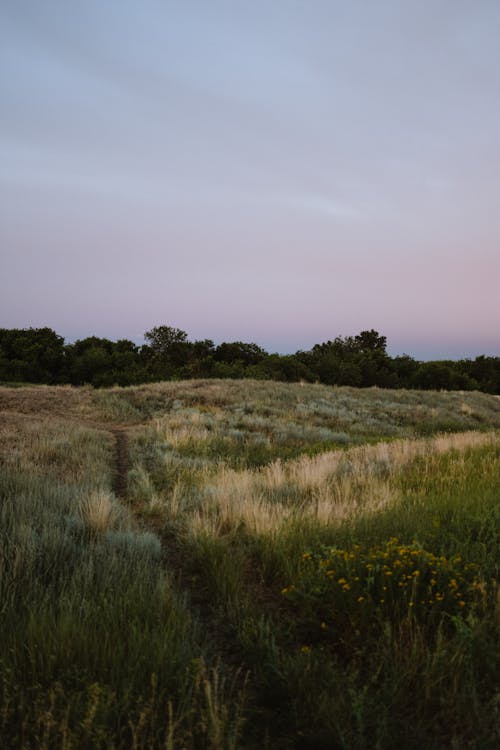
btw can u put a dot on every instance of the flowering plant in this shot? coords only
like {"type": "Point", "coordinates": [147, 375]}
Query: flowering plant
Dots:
{"type": "Point", "coordinates": [340, 595]}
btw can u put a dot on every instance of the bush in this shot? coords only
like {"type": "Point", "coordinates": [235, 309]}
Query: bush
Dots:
{"type": "Point", "coordinates": [341, 596]}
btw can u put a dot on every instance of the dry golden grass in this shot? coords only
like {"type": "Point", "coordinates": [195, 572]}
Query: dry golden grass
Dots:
{"type": "Point", "coordinates": [51, 446]}
{"type": "Point", "coordinates": [330, 487]}
{"type": "Point", "coordinates": [199, 432]}
{"type": "Point", "coordinates": [64, 401]}
{"type": "Point", "coordinates": [298, 402]}
{"type": "Point", "coordinates": [97, 511]}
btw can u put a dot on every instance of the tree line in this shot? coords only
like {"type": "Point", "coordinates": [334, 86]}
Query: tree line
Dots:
{"type": "Point", "coordinates": [40, 355]}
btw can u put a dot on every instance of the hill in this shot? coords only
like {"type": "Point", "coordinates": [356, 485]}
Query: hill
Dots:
{"type": "Point", "coordinates": [247, 564]}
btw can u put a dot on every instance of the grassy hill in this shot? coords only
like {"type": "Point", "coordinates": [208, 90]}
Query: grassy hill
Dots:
{"type": "Point", "coordinates": [247, 564]}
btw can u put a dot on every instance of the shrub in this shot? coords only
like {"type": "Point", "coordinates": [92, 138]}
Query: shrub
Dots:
{"type": "Point", "coordinates": [341, 596]}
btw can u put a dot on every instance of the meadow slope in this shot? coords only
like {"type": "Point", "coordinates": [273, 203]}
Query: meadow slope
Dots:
{"type": "Point", "coordinates": [248, 564]}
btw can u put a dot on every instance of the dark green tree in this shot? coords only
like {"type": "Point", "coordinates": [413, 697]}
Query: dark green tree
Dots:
{"type": "Point", "coordinates": [239, 351]}
{"type": "Point", "coordinates": [168, 351]}
{"type": "Point", "coordinates": [370, 342]}
{"type": "Point", "coordinates": [34, 355]}
{"type": "Point", "coordinates": [163, 339]}
{"type": "Point", "coordinates": [441, 375]}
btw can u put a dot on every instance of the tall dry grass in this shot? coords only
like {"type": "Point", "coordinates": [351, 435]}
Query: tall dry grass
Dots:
{"type": "Point", "coordinates": [329, 487]}
{"type": "Point", "coordinates": [98, 511]}
{"type": "Point", "coordinates": [50, 446]}
{"type": "Point", "coordinates": [218, 454]}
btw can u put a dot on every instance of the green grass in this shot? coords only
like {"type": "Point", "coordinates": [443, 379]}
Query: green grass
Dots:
{"type": "Point", "coordinates": [203, 612]}
{"type": "Point", "coordinates": [343, 673]}
{"type": "Point", "coordinates": [98, 648]}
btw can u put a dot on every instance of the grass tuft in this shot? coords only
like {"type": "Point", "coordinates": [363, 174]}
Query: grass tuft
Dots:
{"type": "Point", "coordinates": [97, 511]}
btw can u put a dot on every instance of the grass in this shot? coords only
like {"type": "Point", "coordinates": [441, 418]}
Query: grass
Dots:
{"type": "Point", "coordinates": [98, 648]}
{"type": "Point", "coordinates": [294, 566]}
{"type": "Point", "coordinates": [340, 672]}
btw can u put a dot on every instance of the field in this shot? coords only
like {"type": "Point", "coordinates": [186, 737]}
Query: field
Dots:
{"type": "Point", "coordinates": [245, 564]}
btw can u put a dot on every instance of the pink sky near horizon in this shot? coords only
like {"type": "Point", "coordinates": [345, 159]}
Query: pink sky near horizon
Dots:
{"type": "Point", "coordinates": [280, 173]}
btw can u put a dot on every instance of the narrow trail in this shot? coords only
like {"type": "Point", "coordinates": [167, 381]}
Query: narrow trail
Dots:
{"type": "Point", "coordinates": [176, 559]}
{"type": "Point", "coordinates": [179, 566]}
{"type": "Point", "coordinates": [121, 462]}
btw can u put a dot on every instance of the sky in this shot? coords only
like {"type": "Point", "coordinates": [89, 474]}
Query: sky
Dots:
{"type": "Point", "coordinates": [280, 172]}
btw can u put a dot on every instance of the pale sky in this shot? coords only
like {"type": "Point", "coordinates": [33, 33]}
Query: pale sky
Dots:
{"type": "Point", "coordinates": [272, 171]}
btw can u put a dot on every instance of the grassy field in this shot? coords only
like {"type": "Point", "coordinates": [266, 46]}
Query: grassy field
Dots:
{"type": "Point", "coordinates": [238, 564]}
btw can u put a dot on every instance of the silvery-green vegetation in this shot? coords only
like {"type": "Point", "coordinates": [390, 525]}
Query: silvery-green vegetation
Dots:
{"type": "Point", "coordinates": [293, 566]}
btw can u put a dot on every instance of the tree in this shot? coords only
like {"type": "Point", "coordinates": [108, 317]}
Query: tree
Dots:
{"type": "Point", "coordinates": [370, 341]}
{"type": "Point", "coordinates": [441, 375]}
{"type": "Point", "coordinates": [168, 351]}
{"type": "Point", "coordinates": [89, 360]}
{"type": "Point", "coordinates": [239, 351]}
{"type": "Point", "coordinates": [404, 367]}
{"type": "Point", "coordinates": [35, 355]}
{"type": "Point", "coordinates": [164, 339]}
{"type": "Point", "coordinates": [485, 371]}
{"type": "Point", "coordinates": [288, 368]}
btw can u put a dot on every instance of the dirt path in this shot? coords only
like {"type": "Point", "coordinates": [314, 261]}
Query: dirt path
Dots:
{"type": "Point", "coordinates": [176, 558]}
{"type": "Point", "coordinates": [121, 462]}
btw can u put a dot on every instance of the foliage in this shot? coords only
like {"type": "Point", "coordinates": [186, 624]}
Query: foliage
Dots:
{"type": "Point", "coordinates": [344, 596]}
{"type": "Point", "coordinates": [35, 355]}
{"type": "Point", "coordinates": [40, 356]}
{"type": "Point", "coordinates": [238, 351]}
